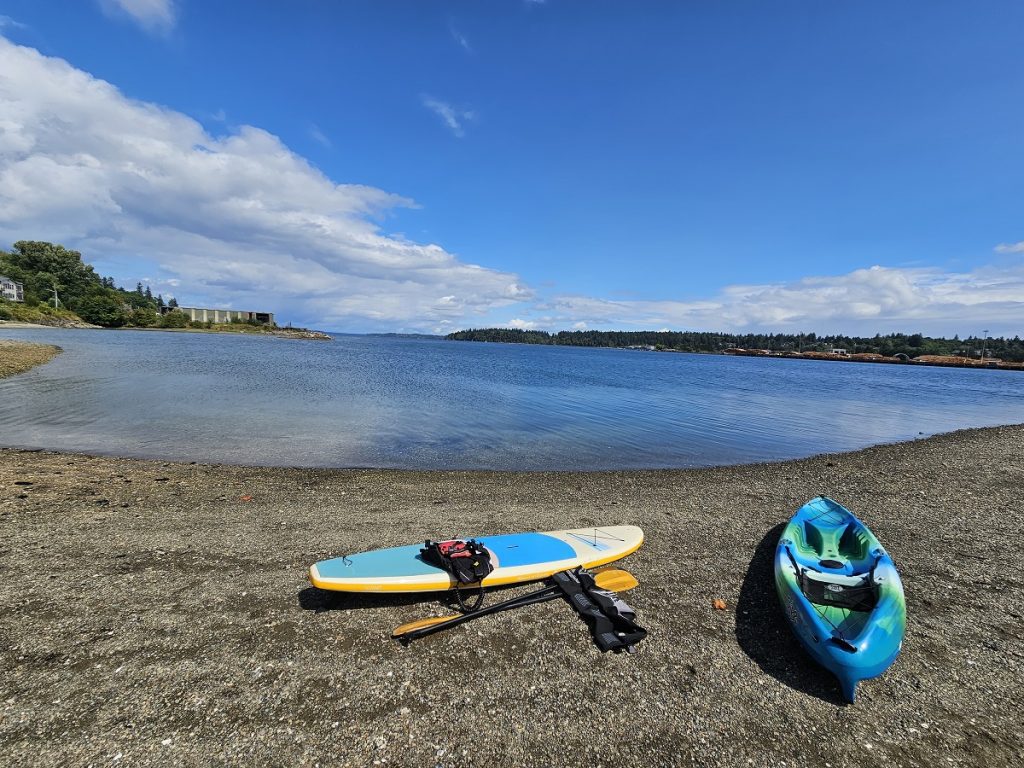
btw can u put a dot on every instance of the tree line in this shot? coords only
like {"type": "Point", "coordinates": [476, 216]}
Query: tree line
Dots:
{"type": "Point", "coordinates": [912, 345]}
{"type": "Point", "coordinates": [45, 268]}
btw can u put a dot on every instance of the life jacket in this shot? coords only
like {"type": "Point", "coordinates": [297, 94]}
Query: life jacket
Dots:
{"type": "Point", "coordinates": [612, 623]}
{"type": "Point", "coordinates": [468, 561]}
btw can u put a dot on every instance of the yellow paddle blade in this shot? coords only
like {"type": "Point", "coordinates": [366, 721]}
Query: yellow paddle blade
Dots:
{"type": "Point", "coordinates": [421, 623]}
{"type": "Point", "coordinates": [612, 579]}
{"type": "Point", "coordinates": [615, 580]}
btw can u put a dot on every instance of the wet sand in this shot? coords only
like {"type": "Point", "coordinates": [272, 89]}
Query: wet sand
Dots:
{"type": "Point", "coordinates": [150, 616]}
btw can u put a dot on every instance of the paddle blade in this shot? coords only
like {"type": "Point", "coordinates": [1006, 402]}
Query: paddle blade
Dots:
{"type": "Point", "coordinates": [616, 580]}
{"type": "Point", "coordinates": [421, 623]}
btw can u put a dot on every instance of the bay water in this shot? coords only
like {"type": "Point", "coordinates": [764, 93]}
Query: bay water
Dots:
{"type": "Point", "coordinates": [422, 403]}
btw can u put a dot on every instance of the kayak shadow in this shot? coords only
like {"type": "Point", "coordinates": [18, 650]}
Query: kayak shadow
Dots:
{"type": "Point", "coordinates": [764, 634]}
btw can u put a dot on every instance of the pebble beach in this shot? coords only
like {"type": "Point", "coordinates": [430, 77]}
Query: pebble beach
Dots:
{"type": "Point", "coordinates": [157, 613]}
{"type": "Point", "coordinates": [18, 356]}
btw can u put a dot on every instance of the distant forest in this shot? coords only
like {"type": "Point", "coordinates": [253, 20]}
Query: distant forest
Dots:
{"type": "Point", "coordinates": [913, 345]}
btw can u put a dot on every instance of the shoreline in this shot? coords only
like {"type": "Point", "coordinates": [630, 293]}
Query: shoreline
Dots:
{"type": "Point", "coordinates": [283, 333]}
{"type": "Point", "coordinates": [150, 610]}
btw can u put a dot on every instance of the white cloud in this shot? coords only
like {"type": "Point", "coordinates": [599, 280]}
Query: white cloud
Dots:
{"type": "Point", "coordinates": [453, 117]}
{"type": "Point", "coordinates": [6, 22]}
{"type": "Point", "coordinates": [865, 301]}
{"type": "Point", "coordinates": [523, 325]}
{"type": "Point", "coordinates": [236, 218]}
{"type": "Point", "coordinates": [319, 136]}
{"type": "Point", "coordinates": [1010, 247]}
{"type": "Point", "coordinates": [152, 15]}
{"type": "Point", "coordinates": [458, 37]}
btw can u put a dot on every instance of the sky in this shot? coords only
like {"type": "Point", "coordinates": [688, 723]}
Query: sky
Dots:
{"type": "Point", "coordinates": [386, 166]}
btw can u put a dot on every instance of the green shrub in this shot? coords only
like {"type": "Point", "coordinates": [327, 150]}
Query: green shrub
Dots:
{"type": "Point", "coordinates": [143, 317]}
{"type": "Point", "coordinates": [173, 320]}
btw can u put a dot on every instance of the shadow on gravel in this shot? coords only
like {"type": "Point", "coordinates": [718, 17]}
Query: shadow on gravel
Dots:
{"type": "Point", "coordinates": [766, 637]}
{"type": "Point", "coordinates": [319, 600]}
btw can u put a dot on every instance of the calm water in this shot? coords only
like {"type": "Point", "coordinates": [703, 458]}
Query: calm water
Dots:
{"type": "Point", "coordinates": [392, 402]}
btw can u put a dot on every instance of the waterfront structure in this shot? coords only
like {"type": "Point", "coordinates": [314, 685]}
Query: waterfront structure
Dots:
{"type": "Point", "coordinates": [203, 315]}
{"type": "Point", "coordinates": [11, 290]}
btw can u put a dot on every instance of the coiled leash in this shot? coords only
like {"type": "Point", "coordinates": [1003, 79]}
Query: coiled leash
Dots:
{"type": "Point", "coordinates": [468, 561]}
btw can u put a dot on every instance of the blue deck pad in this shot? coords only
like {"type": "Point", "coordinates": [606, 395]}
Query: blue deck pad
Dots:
{"type": "Point", "coordinates": [527, 549]}
{"type": "Point", "coordinates": [511, 550]}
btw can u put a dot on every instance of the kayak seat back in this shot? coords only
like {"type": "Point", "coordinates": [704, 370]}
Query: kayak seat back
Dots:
{"type": "Point", "coordinates": [854, 543]}
{"type": "Point", "coordinates": [854, 593]}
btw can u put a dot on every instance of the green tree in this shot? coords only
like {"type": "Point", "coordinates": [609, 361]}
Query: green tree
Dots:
{"type": "Point", "coordinates": [173, 320]}
{"type": "Point", "coordinates": [144, 317]}
{"type": "Point", "coordinates": [103, 309]}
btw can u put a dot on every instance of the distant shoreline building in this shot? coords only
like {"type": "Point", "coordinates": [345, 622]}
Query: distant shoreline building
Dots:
{"type": "Point", "coordinates": [204, 315]}
{"type": "Point", "coordinates": [11, 290]}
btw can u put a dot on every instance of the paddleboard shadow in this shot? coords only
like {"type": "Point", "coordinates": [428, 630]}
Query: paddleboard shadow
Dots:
{"type": "Point", "coordinates": [321, 600]}
{"type": "Point", "coordinates": [766, 637]}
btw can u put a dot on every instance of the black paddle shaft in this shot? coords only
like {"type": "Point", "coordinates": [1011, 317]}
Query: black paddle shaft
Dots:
{"type": "Point", "coordinates": [541, 596]}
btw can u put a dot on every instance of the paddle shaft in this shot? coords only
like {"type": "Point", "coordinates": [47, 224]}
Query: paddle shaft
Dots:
{"type": "Point", "coordinates": [612, 579]}
{"type": "Point", "coordinates": [541, 596]}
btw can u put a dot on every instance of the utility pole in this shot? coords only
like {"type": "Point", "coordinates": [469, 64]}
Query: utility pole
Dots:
{"type": "Point", "coordinates": [56, 301]}
{"type": "Point", "coordinates": [984, 344]}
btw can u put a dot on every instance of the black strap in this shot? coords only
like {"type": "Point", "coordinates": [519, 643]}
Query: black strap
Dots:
{"type": "Point", "coordinates": [612, 622]}
{"type": "Point", "coordinates": [465, 607]}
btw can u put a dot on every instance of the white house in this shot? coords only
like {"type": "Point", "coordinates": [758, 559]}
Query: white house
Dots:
{"type": "Point", "coordinates": [11, 290]}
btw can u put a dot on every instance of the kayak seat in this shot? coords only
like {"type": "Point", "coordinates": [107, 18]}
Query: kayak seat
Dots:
{"type": "Point", "coordinates": [854, 543]}
{"type": "Point", "coordinates": [813, 538]}
{"type": "Point", "coordinates": [854, 593]}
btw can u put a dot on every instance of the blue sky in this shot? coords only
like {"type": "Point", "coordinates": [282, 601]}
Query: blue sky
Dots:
{"type": "Point", "coordinates": [427, 166]}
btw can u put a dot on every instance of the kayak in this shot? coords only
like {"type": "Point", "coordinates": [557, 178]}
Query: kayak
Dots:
{"type": "Point", "coordinates": [515, 557]}
{"type": "Point", "coordinates": [841, 592]}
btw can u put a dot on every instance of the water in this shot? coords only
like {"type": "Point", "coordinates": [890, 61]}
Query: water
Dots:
{"type": "Point", "coordinates": [364, 401]}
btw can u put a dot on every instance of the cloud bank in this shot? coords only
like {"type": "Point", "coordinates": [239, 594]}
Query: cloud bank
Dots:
{"type": "Point", "coordinates": [239, 219]}
{"type": "Point", "coordinates": [865, 301]}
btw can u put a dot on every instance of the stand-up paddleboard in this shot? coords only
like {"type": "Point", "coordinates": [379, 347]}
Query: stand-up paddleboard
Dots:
{"type": "Point", "coordinates": [841, 592]}
{"type": "Point", "coordinates": [516, 558]}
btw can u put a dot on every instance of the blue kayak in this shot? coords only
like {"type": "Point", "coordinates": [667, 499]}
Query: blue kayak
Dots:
{"type": "Point", "coordinates": [841, 592]}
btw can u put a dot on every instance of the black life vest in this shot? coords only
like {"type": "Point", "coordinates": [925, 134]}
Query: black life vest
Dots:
{"type": "Point", "coordinates": [611, 621]}
{"type": "Point", "coordinates": [468, 561]}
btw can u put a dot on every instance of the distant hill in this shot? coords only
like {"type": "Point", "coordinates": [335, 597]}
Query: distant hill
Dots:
{"type": "Point", "coordinates": [912, 345]}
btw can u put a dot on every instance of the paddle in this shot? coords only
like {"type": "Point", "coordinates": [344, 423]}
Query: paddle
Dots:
{"type": "Point", "coordinates": [612, 579]}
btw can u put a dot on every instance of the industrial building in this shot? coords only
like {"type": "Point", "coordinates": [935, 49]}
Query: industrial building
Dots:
{"type": "Point", "coordinates": [203, 315]}
{"type": "Point", "coordinates": [11, 289]}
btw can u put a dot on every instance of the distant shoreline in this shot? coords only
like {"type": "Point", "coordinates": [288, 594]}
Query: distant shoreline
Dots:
{"type": "Point", "coordinates": [283, 333]}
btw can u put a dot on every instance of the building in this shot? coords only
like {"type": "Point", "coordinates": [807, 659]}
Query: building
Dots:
{"type": "Point", "coordinates": [11, 290]}
{"type": "Point", "coordinates": [203, 315]}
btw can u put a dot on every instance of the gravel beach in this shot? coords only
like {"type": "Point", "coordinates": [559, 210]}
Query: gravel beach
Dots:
{"type": "Point", "coordinates": [20, 356]}
{"type": "Point", "coordinates": [158, 614]}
